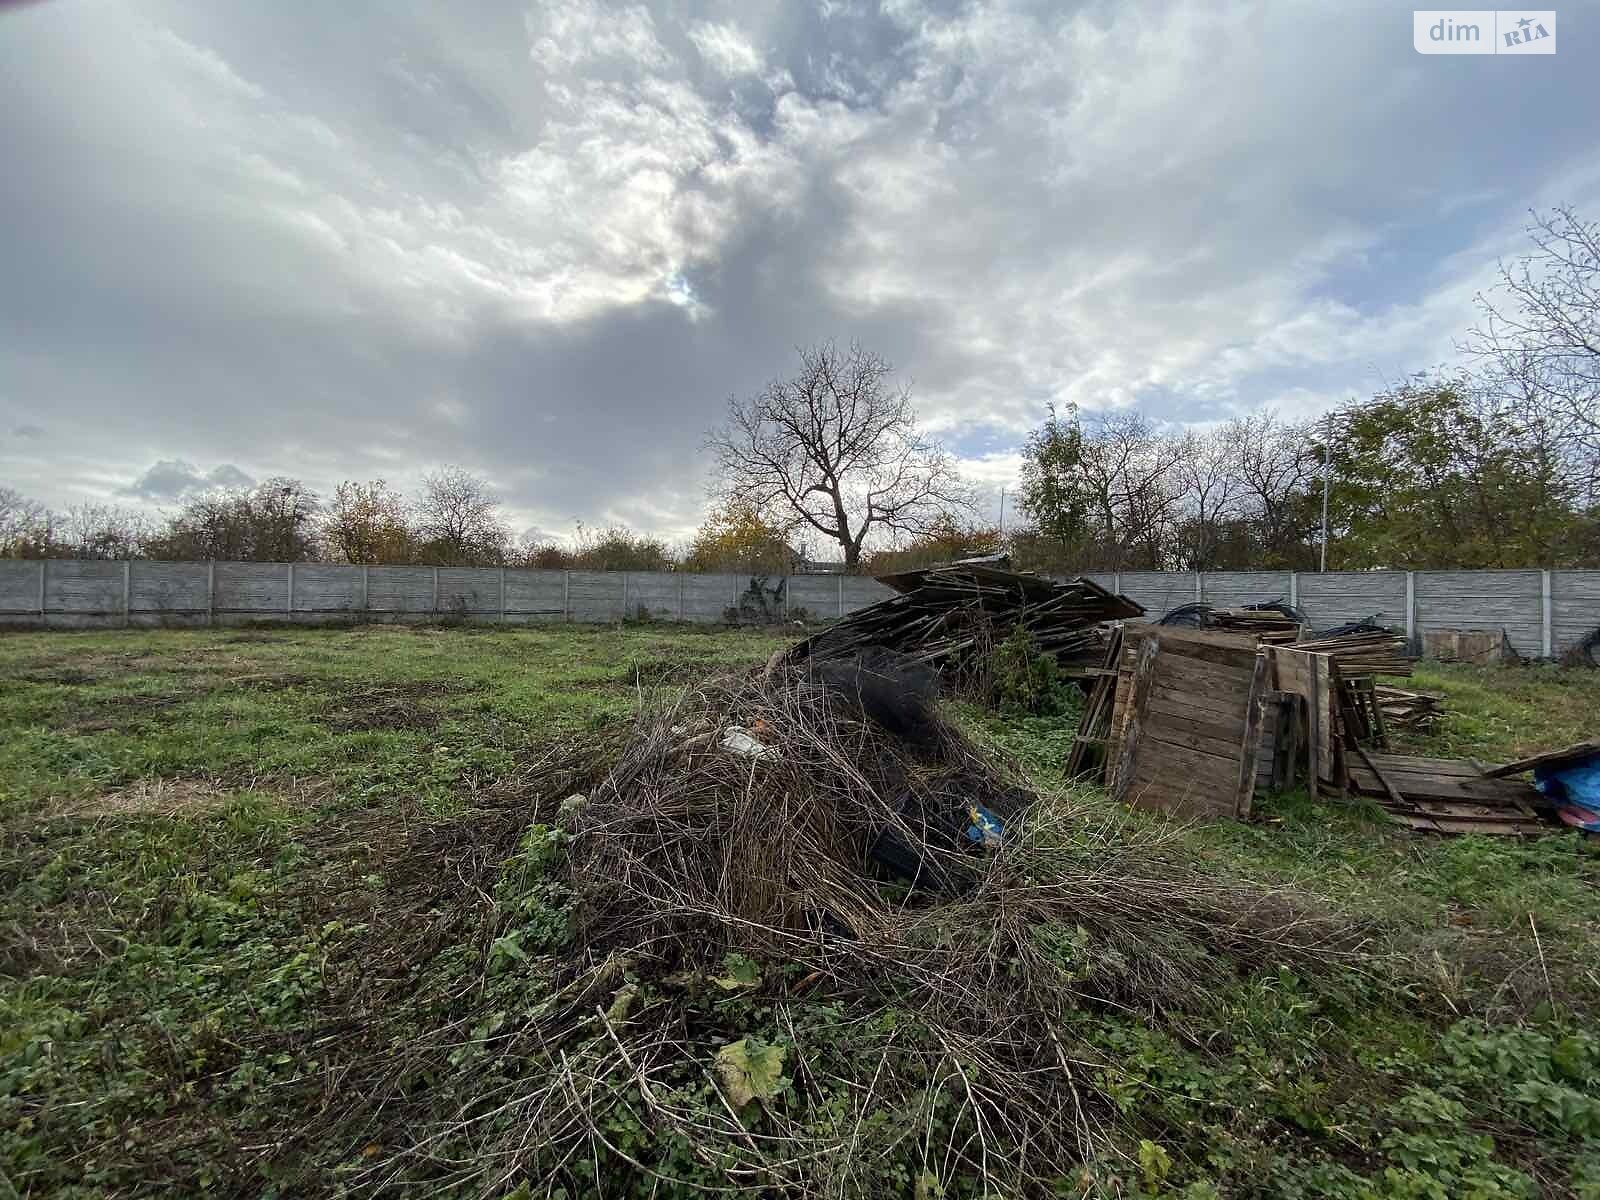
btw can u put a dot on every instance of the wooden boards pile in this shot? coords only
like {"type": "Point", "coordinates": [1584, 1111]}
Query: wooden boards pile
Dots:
{"type": "Point", "coordinates": [1268, 625]}
{"type": "Point", "coordinates": [1194, 722]}
{"type": "Point", "coordinates": [1374, 652]}
{"type": "Point", "coordinates": [1447, 795]}
{"type": "Point", "coordinates": [1403, 709]}
{"type": "Point", "coordinates": [945, 615]}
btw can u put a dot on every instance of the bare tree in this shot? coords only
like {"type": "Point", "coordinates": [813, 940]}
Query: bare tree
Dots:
{"type": "Point", "coordinates": [1275, 474]}
{"type": "Point", "coordinates": [25, 525]}
{"type": "Point", "coordinates": [103, 531]}
{"type": "Point", "coordinates": [1538, 342]}
{"type": "Point", "coordinates": [837, 446]}
{"type": "Point", "coordinates": [1209, 491]}
{"type": "Point", "coordinates": [459, 520]}
{"type": "Point", "coordinates": [368, 523]}
{"type": "Point", "coordinates": [1128, 470]}
{"type": "Point", "coordinates": [272, 522]}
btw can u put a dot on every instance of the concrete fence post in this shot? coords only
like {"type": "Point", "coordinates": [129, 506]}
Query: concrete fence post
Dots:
{"type": "Point", "coordinates": [1294, 590]}
{"type": "Point", "coordinates": [127, 591]}
{"type": "Point", "coordinates": [1411, 610]}
{"type": "Point", "coordinates": [681, 616]}
{"type": "Point", "coordinates": [786, 598]}
{"type": "Point", "coordinates": [366, 601]}
{"type": "Point", "coordinates": [502, 595]}
{"type": "Point", "coordinates": [624, 616]}
{"type": "Point", "coordinates": [44, 567]}
{"type": "Point", "coordinates": [566, 596]}
{"type": "Point", "coordinates": [841, 597]}
{"type": "Point", "coordinates": [1199, 587]}
{"type": "Point", "coordinates": [288, 605]}
{"type": "Point", "coordinates": [1546, 612]}
{"type": "Point", "coordinates": [436, 592]}
{"type": "Point", "coordinates": [1116, 582]}
{"type": "Point", "coordinates": [211, 591]}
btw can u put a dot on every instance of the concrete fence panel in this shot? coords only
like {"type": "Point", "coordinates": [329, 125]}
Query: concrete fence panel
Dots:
{"type": "Point", "coordinates": [1230, 589]}
{"type": "Point", "coordinates": [20, 595]}
{"type": "Point", "coordinates": [256, 590]}
{"type": "Point", "coordinates": [707, 599]}
{"type": "Point", "coordinates": [596, 596]}
{"type": "Point", "coordinates": [327, 588]}
{"type": "Point", "coordinates": [169, 593]}
{"type": "Point", "coordinates": [536, 595]}
{"type": "Point", "coordinates": [1574, 608]}
{"type": "Point", "coordinates": [400, 591]}
{"type": "Point", "coordinates": [1509, 600]}
{"type": "Point", "coordinates": [469, 592]}
{"type": "Point", "coordinates": [92, 589]}
{"type": "Point", "coordinates": [1336, 597]}
{"type": "Point", "coordinates": [816, 597]}
{"type": "Point", "coordinates": [1106, 579]}
{"type": "Point", "coordinates": [1159, 591]}
{"type": "Point", "coordinates": [653, 595]}
{"type": "Point", "coordinates": [862, 592]}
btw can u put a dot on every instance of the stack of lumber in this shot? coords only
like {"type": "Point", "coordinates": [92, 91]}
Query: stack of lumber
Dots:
{"type": "Point", "coordinates": [1420, 711]}
{"type": "Point", "coordinates": [1268, 625]}
{"type": "Point", "coordinates": [1377, 652]}
{"type": "Point", "coordinates": [945, 616]}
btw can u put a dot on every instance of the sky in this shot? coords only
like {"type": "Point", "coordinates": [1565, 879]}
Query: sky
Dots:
{"type": "Point", "coordinates": [547, 242]}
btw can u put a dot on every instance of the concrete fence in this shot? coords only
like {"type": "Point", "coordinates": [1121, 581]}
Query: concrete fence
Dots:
{"type": "Point", "coordinates": [66, 593]}
{"type": "Point", "coordinates": [1543, 612]}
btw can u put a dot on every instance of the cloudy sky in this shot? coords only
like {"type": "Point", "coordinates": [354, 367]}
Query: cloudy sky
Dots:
{"type": "Point", "coordinates": [547, 241]}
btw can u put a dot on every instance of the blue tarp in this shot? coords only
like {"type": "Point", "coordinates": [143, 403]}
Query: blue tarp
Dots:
{"type": "Point", "coordinates": [1575, 787]}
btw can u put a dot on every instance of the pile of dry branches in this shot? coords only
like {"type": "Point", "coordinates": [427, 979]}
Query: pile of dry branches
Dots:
{"type": "Point", "coordinates": [919, 1025]}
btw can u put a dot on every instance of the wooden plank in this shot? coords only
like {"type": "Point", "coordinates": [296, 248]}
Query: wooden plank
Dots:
{"type": "Point", "coordinates": [1574, 753]}
{"type": "Point", "coordinates": [1194, 743]}
{"type": "Point", "coordinates": [1206, 678]}
{"type": "Point", "coordinates": [1139, 689]}
{"type": "Point", "coordinates": [1204, 720]}
{"type": "Point", "coordinates": [1250, 743]}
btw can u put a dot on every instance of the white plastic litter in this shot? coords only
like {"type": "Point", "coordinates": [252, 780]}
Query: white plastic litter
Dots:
{"type": "Point", "coordinates": [737, 740]}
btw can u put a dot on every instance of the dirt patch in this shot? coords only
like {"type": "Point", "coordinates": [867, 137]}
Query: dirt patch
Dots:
{"type": "Point", "coordinates": [395, 706]}
{"type": "Point", "coordinates": [122, 714]}
{"type": "Point", "coordinates": [677, 670]}
{"type": "Point", "coordinates": [60, 676]}
{"type": "Point", "coordinates": [273, 681]}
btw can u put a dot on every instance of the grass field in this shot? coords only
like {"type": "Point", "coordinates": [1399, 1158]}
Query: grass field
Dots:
{"type": "Point", "coordinates": [215, 842]}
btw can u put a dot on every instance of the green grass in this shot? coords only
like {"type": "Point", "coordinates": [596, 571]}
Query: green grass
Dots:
{"type": "Point", "coordinates": [215, 846]}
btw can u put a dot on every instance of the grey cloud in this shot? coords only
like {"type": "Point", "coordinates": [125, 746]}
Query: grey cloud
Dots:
{"type": "Point", "coordinates": [175, 479]}
{"type": "Point", "coordinates": [28, 431]}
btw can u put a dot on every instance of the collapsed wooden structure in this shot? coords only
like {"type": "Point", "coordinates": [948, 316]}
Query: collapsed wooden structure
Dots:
{"type": "Point", "coordinates": [1196, 722]}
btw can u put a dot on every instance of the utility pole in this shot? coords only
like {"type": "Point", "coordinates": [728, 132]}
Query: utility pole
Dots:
{"type": "Point", "coordinates": [1002, 510]}
{"type": "Point", "coordinates": [1327, 475]}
